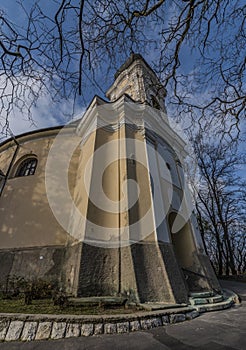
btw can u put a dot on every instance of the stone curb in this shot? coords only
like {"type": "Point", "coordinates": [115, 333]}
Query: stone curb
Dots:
{"type": "Point", "coordinates": [19, 327]}
{"type": "Point", "coordinates": [28, 327]}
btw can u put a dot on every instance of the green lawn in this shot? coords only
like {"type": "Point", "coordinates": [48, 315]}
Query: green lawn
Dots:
{"type": "Point", "coordinates": [46, 306]}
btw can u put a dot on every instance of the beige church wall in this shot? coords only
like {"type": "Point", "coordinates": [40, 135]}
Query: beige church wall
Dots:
{"type": "Point", "coordinates": [166, 269]}
{"type": "Point", "coordinates": [160, 201]}
{"type": "Point", "coordinates": [75, 214]}
{"type": "Point", "coordinates": [80, 194]}
{"type": "Point", "coordinates": [127, 277]}
{"type": "Point", "coordinates": [24, 208]}
{"type": "Point", "coordinates": [109, 181]}
{"type": "Point", "coordinates": [101, 277]}
{"type": "Point", "coordinates": [123, 270]}
{"type": "Point", "coordinates": [138, 171]}
{"type": "Point", "coordinates": [6, 156]}
{"type": "Point", "coordinates": [196, 233]}
{"type": "Point", "coordinates": [71, 270]}
{"type": "Point", "coordinates": [112, 271]}
{"type": "Point", "coordinates": [152, 281]}
{"type": "Point", "coordinates": [185, 245]}
{"type": "Point", "coordinates": [168, 156]}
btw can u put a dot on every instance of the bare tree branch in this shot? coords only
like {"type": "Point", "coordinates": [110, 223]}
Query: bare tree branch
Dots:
{"type": "Point", "coordinates": [196, 46]}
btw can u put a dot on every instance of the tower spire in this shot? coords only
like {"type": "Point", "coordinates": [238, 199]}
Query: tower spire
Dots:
{"type": "Point", "coordinates": [138, 80]}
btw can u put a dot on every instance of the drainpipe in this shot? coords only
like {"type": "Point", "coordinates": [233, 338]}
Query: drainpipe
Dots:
{"type": "Point", "coordinates": [119, 216]}
{"type": "Point", "coordinates": [5, 177]}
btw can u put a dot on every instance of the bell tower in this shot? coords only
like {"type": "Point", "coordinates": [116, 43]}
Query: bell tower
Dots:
{"type": "Point", "coordinates": [137, 79]}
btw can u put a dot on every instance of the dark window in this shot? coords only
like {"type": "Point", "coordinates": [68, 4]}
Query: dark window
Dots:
{"type": "Point", "coordinates": [27, 167]}
{"type": "Point", "coordinates": [131, 160]}
{"type": "Point", "coordinates": [152, 185]}
{"type": "Point", "coordinates": [155, 102]}
{"type": "Point", "coordinates": [168, 166]}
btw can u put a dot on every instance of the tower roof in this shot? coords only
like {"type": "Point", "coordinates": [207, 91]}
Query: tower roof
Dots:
{"type": "Point", "coordinates": [129, 61]}
{"type": "Point", "coordinates": [138, 80]}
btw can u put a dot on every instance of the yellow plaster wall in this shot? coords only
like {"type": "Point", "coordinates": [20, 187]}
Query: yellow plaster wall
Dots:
{"type": "Point", "coordinates": [26, 219]}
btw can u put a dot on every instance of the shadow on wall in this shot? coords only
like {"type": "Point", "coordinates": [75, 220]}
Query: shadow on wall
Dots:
{"type": "Point", "coordinates": [32, 242]}
{"type": "Point", "coordinates": [44, 263]}
{"type": "Point", "coordinates": [196, 267]}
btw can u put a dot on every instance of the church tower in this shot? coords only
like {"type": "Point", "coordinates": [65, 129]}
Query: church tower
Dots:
{"type": "Point", "coordinates": [137, 79]}
{"type": "Point", "coordinates": [140, 237]}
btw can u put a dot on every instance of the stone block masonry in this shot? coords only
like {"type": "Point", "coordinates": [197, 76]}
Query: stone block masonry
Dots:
{"type": "Point", "coordinates": [16, 327]}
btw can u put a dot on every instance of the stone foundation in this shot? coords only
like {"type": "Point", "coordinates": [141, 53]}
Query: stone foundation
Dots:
{"type": "Point", "coordinates": [31, 263]}
{"type": "Point", "coordinates": [143, 272]}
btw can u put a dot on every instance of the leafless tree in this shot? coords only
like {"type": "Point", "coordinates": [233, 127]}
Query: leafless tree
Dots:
{"type": "Point", "coordinates": [63, 46]}
{"type": "Point", "coordinates": [220, 202]}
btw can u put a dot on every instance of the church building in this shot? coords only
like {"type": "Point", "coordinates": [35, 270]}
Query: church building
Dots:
{"type": "Point", "coordinates": [101, 206]}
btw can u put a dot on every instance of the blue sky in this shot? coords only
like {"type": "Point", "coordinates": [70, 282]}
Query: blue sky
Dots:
{"type": "Point", "coordinates": [48, 113]}
{"type": "Point", "coordinates": [44, 116]}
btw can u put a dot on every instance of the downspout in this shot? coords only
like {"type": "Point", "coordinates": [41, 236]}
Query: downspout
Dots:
{"type": "Point", "coordinates": [10, 166]}
{"type": "Point", "coordinates": [119, 216]}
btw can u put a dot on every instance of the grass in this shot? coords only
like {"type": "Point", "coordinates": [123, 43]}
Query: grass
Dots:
{"type": "Point", "coordinates": [46, 306]}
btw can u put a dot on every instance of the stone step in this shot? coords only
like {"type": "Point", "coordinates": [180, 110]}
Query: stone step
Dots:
{"type": "Point", "coordinates": [212, 300]}
{"type": "Point", "coordinates": [97, 301]}
{"type": "Point", "coordinates": [198, 301]}
{"type": "Point", "coordinates": [233, 296]}
{"type": "Point", "coordinates": [215, 307]}
{"type": "Point", "coordinates": [216, 299]}
{"type": "Point", "coordinates": [161, 306]}
{"type": "Point", "coordinates": [202, 294]}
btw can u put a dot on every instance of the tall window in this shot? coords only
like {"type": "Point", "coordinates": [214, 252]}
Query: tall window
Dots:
{"type": "Point", "coordinates": [27, 167]}
{"type": "Point", "coordinates": [155, 102]}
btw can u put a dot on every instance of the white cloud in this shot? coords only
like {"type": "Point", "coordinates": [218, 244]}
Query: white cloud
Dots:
{"type": "Point", "coordinates": [46, 113]}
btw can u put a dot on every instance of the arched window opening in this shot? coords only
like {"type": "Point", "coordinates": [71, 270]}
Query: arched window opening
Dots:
{"type": "Point", "coordinates": [27, 167]}
{"type": "Point", "coordinates": [152, 185]}
{"type": "Point", "coordinates": [155, 103]}
{"type": "Point", "coordinates": [168, 166]}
